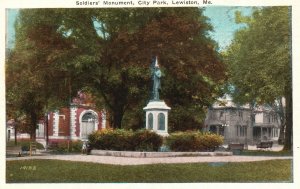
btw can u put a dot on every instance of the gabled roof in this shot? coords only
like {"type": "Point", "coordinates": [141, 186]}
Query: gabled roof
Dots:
{"type": "Point", "coordinates": [226, 102]}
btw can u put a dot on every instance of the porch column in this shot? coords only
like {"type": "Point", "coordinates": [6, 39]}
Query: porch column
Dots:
{"type": "Point", "coordinates": [271, 132]}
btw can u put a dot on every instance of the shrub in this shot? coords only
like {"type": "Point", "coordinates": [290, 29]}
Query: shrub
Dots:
{"type": "Point", "coordinates": [25, 145]}
{"type": "Point", "coordinates": [193, 141]}
{"type": "Point", "coordinates": [65, 146]}
{"type": "Point", "coordinates": [182, 141]}
{"type": "Point", "coordinates": [75, 146]}
{"type": "Point", "coordinates": [127, 140]}
{"type": "Point", "coordinates": [211, 141]}
{"type": "Point", "coordinates": [108, 139]}
{"type": "Point", "coordinates": [145, 140]}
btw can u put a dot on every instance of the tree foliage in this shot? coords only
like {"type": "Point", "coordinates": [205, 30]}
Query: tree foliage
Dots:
{"type": "Point", "coordinates": [192, 70]}
{"type": "Point", "coordinates": [259, 59]}
{"type": "Point", "coordinates": [108, 52]}
{"type": "Point", "coordinates": [34, 83]}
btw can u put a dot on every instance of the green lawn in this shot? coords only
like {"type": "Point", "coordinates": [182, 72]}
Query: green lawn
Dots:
{"type": "Point", "coordinates": [266, 153]}
{"type": "Point", "coordinates": [41, 171]}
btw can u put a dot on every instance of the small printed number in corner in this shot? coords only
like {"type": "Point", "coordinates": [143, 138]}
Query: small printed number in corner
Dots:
{"type": "Point", "coordinates": [28, 168]}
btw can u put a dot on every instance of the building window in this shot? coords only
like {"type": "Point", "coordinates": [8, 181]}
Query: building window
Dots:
{"type": "Point", "coordinates": [88, 117]}
{"type": "Point", "coordinates": [213, 129]}
{"type": "Point", "coordinates": [213, 115]}
{"type": "Point", "coordinates": [274, 118]}
{"type": "Point", "coordinates": [241, 114]}
{"type": "Point", "coordinates": [253, 118]}
{"type": "Point", "coordinates": [221, 114]}
{"type": "Point", "coordinates": [241, 131]}
{"type": "Point", "coordinates": [269, 119]}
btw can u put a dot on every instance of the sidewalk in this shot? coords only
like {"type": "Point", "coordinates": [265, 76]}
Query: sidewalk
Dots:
{"type": "Point", "coordinates": [142, 161]}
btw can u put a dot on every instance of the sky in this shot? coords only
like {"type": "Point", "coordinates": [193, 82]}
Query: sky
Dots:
{"type": "Point", "coordinates": [221, 18]}
{"type": "Point", "coordinates": [11, 15]}
{"type": "Point", "coordinates": [223, 22]}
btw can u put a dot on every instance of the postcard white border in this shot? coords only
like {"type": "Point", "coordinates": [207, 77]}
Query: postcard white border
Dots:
{"type": "Point", "coordinates": [71, 4]}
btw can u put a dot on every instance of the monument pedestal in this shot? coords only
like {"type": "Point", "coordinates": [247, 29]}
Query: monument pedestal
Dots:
{"type": "Point", "coordinates": [157, 117]}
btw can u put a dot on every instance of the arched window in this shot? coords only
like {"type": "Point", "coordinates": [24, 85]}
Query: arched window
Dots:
{"type": "Point", "coordinates": [88, 117]}
{"type": "Point", "coordinates": [150, 121]}
{"type": "Point", "coordinates": [161, 121]}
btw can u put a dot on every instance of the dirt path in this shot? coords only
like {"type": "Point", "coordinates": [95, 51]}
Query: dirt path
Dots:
{"type": "Point", "coordinates": [140, 161]}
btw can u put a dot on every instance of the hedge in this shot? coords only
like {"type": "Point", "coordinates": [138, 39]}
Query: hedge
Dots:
{"type": "Point", "coordinates": [64, 146]}
{"type": "Point", "coordinates": [125, 140]}
{"type": "Point", "coordinates": [193, 141]}
{"type": "Point", "coordinates": [145, 140]}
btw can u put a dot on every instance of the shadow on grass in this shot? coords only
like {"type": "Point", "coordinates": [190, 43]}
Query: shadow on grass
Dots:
{"type": "Point", "coordinates": [265, 153]}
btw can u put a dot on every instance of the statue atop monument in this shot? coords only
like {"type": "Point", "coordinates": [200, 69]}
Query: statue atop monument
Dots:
{"type": "Point", "coordinates": [156, 75]}
{"type": "Point", "coordinates": [156, 109]}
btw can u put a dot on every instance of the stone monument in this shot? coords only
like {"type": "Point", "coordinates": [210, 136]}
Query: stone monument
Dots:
{"type": "Point", "coordinates": [156, 109]}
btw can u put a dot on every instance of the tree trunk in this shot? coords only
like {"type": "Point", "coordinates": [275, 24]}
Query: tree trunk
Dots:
{"type": "Point", "coordinates": [288, 140]}
{"type": "Point", "coordinates": [118, 108]}
{"type": "Point", "coordinates": [46, 128]}
{"type": "Point", "coordinates": [34, 120]}
{"type": "Point", "coordinates": [16, 130]}
{"type": "Point", "coordinates": [288, 143]}
{"type": "Point", "coordinates": [282, 116]}
{"type": "Point", "coordinates": [281, 134]}
{"type": "Point", "coordinates": [117, 119]}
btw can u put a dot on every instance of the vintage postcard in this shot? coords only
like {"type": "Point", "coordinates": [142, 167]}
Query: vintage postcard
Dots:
{"type": "Point", "coordinates": [167, 93]}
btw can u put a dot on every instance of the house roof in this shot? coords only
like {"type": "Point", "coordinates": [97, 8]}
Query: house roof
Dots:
{"type": "Point", "coordinates": [226, 102]}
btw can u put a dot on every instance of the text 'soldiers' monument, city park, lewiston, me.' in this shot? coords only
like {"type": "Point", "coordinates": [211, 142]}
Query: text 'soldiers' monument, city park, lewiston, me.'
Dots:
{"type": "Point", "coordinates": [156, 109]}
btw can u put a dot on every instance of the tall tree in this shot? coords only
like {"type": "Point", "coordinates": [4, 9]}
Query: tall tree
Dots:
{"type": "Point", "coordinates": [259, 60]}
{"type": "Point", "coordinates": [34, 82]}
{"type": "Point", "coordinates": [128, 38]}
{"type": "Point", "coordinates": [109, 51]}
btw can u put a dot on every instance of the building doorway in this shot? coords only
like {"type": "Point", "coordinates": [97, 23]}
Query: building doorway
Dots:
{"type": "Point", "coordinates": [88, 124]}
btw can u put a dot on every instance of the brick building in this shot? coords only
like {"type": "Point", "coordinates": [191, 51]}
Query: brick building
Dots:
{"type": "Point", "coordinates": [75, 122]}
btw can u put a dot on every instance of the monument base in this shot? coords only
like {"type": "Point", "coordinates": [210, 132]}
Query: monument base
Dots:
{"type": "Point", "coordinates": [164, 134]}
{"type": "Point", "coordinates": [157, 117]}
